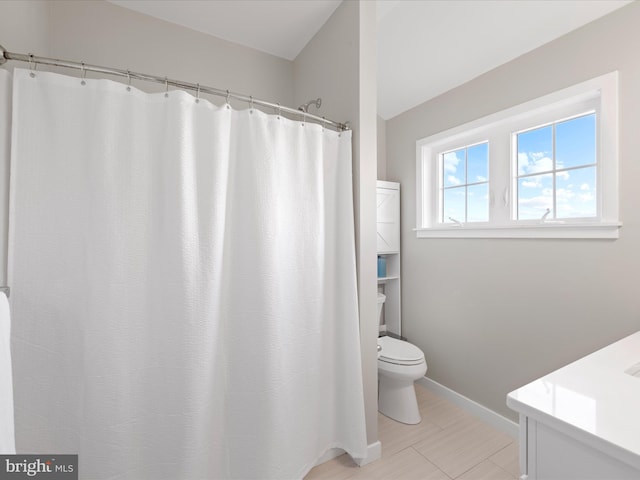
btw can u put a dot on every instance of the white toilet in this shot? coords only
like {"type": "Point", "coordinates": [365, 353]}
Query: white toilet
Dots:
{"type": "Point", "coordinates": [399, 365]}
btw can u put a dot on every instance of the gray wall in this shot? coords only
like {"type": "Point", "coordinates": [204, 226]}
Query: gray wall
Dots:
{"type": "Point", "coordinates": [24, 26]}
{"type": "Point", "coordinates": [106, 34]}
{"type": "Point", "coordinates": [494, 314]}
{"type": "Point", "coordinates": [347, 44]}
{"type": "Point", "coordinates": [101, 33]}
{"type": "Point", "coordinates": [382, 148]}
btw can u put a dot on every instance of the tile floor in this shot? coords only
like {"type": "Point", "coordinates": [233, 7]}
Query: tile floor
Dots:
{"type": "Point", "coordinates": [448, 444]}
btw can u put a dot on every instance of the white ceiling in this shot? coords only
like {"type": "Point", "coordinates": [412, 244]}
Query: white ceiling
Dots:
{"type": "Point", "coordinates": [278, 27]}
{"type": "Point", "coordinates": [425, 47]}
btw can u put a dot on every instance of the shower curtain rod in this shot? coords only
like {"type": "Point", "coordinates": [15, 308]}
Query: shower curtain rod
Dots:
{"type": "Point", "coordinates": [33, 61]}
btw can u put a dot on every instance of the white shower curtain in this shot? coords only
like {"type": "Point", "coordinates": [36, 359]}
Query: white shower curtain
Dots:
{"type": "Point", "coordinates": [183, 285]}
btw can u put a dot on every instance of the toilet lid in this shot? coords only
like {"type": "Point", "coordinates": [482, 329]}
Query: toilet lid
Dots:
{"type": "Point", "coordinates": [399, 351]}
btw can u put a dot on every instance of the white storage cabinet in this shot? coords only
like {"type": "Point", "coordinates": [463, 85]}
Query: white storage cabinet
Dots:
{"type": "Point", "coordinates": [388, 246]}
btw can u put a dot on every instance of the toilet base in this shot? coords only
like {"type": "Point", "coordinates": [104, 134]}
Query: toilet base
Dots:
{"type": "Point", "coordinates": [397, 400]}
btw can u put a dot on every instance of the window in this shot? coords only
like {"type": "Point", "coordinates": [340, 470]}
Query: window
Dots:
{"type": "Point", "coordinates": [465, 184]}
{"type": "Point", "coordinates": [545, 169]}
{"type": "Point", "coordinates": [557, 170]}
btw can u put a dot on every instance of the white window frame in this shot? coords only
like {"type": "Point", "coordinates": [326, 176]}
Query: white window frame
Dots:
{"type": "Point", "coordinates": [598, 94]}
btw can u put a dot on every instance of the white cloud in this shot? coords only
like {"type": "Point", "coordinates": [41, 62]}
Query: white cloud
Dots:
{"type": "Point", "coordinates": [586, 197]}
{"type": "Point", "coordinates": [569, 197]}
{"type": "Point", "coordinates": [535, 183]}
{"type": "Point", "coordinates": [543, 164]}
{"type": "Point", "coordinates": [542, 201]}
{"type": "Point", "coordinates": [564, 195]}
{"type": "Point", "coordinates": [453, 180]}
{"type": "Point", "coordinates": [523, 160]}
{"type": "Point", "coordinates": [480, 178]}
{"type": "Point", "coordinates": [451, 162]}
{"type": "Point", "coordinates": [573, 200]}
{"type": "Point", "coordinates": [533, 162]}
{"type": "Point", "coordinates": [480, 195]}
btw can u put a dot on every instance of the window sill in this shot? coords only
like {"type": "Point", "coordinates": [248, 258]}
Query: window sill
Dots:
{"type": "Point", "coordinates": [608, 230]}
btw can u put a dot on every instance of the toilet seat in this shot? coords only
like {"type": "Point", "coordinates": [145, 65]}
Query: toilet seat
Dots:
{"type": "Point", "coordinates": [399, 352]}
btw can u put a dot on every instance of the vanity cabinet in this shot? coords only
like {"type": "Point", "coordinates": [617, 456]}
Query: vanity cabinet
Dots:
{"type": "Point", "coordinates": [548, 453]}
{"type": "Point", "coordinates": [388, 247]}
{"type": "Point", "coordinates": [581, 422]}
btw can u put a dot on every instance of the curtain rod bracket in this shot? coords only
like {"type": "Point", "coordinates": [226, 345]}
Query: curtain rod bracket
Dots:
{"type": "Point", "coordinates": [3, 57]}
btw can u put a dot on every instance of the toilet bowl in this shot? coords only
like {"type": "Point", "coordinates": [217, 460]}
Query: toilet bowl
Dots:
{"type": "Point", "coordinates": [400, 364]}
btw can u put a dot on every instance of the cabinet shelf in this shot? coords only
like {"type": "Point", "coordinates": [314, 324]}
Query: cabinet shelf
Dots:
{"type": "Point", "coordinates": [387, 278]}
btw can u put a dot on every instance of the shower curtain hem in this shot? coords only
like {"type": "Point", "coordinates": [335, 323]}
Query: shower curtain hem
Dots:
{"type": "Point", "coordinates": [339, 445]}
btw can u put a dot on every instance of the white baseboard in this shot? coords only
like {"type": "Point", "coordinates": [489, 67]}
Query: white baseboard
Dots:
{"type": "Point", "coordinates": [374, 452]}
{"type": "Point", "coordinates": [483, 413]}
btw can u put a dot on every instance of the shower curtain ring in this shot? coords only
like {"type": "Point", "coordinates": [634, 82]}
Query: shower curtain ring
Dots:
{"type": "Point", "coordinates": [227, 99]}
{"type": "Point", "coordinates": [304, 118]}
{"type": "Point", "coordinates": [32, 66]}
{"type": "Point", "coordinates": [166, 87]}
{"type": "Point", "coordinates": [198, 93]}
{"type": "Point", "coordinates": [324, 122]}
{"type": "Point", "coordinates": [128, 81]}
{"type": "Point", "coordinates": [250, 104]}
{"type": "Point", "coordinates": [84, 74]}
{"type": "Point", "coordinates": [279, 111]}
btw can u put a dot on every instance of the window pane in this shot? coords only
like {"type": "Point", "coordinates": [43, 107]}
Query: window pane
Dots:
{"type": "Point", "coordinates": [478, 203]}
{"type": "Point", "coordinates": [453, 204]}
{"type": "Point", "coordinates": [576, 142]}
{"type": "Point", "coordinates": [478, 163]}
{"type": "Point", "coordinates": [535, 195]}
{"type": "Point", "coordinates": [576, 193]}
{"type": "Point", "coordinates": [453, 167]}
{"type": "Point", "coordinates": [535, 151]}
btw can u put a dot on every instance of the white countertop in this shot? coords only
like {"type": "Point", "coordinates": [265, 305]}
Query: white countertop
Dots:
{"type": "Point", "coordinates": [592, 398]}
